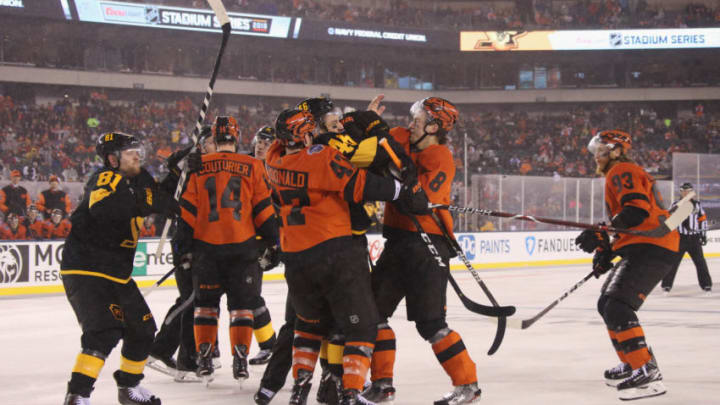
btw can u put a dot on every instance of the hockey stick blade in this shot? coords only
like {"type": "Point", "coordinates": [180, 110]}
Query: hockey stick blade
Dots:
{"type": "Point", "coordinates": [684, 209]}
{"type": "Point", "coordinates": [472, 306]}
{"type": "Point", "coordinates": [220, 12]}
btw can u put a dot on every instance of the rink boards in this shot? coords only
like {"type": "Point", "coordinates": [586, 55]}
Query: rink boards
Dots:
{"type": "Point", "coordinates": [34, 267]}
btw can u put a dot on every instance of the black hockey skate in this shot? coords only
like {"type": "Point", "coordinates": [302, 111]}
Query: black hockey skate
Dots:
{"type": "Point", "coordinates": [205, 368]}
{"type": "Point", "coordinates": [186, 372]}
{"type": "Point", "coordinates": [324, 387]}
{"type": "Point", "coordinates": [263, 396]}
{"type": "Point", "coordinates": [462, 394]}
{"type": "Point", "coordinates": [380, 391]}
{"type": "Point", "coordinates": [76, 399]}
{"type": "Point", "coordinates": [136, 395]}
{"type": "Point", "coordinates": [301, 388]}
{"type": "Point", "coordinates": [263, 357]}
{"type": "Point", "coordinates": [163, 364]}
{"type": "Point", "coordinates": [644, 382]}
{"type": "Point", "coordinates": [615, 375]}
{"type": "Point", "coordinates": [353, 397]}
{"type": "Point", "coordinates": [217, 364]}
{"type": "Point", "coordinates": [240, 363]}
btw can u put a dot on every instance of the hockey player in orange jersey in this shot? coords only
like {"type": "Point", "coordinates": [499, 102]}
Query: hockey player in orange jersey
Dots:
{"type": "Point", "coordinates": [406, 269]}
{"type": "Point", "coordinates": [633, 202]}
{"type": "Point", "coordinates": [227, 204]}
{"type": "Point", "coordinates": [327, 275]}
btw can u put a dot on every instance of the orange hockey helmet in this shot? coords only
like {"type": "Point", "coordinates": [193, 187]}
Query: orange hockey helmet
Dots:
{"type": "Point", "coordinates": [225, 130]}
{"type": "Point", "coordinates": [438, 110]}
{"type": "Point", "coordinates": [292, 126]}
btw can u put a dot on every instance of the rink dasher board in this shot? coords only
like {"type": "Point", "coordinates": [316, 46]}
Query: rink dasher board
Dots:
{"type": "Point", "coordinates": [33, 267]}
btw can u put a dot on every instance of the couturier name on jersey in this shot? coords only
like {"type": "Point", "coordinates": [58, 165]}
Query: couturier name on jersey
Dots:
{"type": "Point", "coordinates": [287, 178]}
{"type": "Point", "coordinates": [230, 166]}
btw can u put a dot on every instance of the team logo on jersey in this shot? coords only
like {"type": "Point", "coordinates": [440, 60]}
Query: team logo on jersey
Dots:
{"type": "Point", "coordinates": [354, 319]}
{"type": "Point", "coordinates": [315, 149]}
{"type": "Point", "coordinates": [530, 243]}
{"type": "Point", "coordinates": [14, 266]}
{"type": "Point", "coordinates": [117, 312]}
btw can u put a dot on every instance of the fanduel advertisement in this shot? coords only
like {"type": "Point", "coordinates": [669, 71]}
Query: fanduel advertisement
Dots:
{"type": "Point", "coordinates": [588, 40]}
{"type": "Point", "coordinates": [159, 16]}
{"type": "Point", "coordinates": [391, 36]}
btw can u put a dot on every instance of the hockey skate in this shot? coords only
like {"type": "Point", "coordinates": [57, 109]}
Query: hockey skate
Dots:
{"type": "Point", "coordinates": [263, 396]}
{"type": "Point", "coordinates": [380, 391]}
{"type": "Point", "coordinates": [644, 382]}
{"type": "Point", "coordinates": [353, 397]}
{"type": "Point", "coordinates": [136, 395]}
{"type": "Point", "coordinates": [617, 374]}
{"type": "Point", "coordinates": [301, 388]}
{"type": "Point", "coordinates": [263, 357]}
{"type": "Point", "coordinates": [240, 363]}
{"type": "Point", "coordinates": [76, 399]}
{"type": "Point", "coordinates": [205, 368]}
{"type": "Point", "coordinates": [217, 364]}
{"type": "Point", "coordinates": [324, 387]}
{"type": "Point", "coordinates": [186, 374]}
{"type": "Point", "coordinates": [165, 365]}
{"type": "Point", "coordinates": [462, 394]}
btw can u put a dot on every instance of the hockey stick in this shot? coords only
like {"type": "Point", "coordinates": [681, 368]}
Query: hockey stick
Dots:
{"type": "Point", "coordinates": [152, 288]}
{"type": "Point", "coordinates": [169, 318]}
{"type": "Point", "coordinates": [684, 208]}
{"type": "Point", "coordinates": [502, 321]}
{"type": "Point", "coordinates": [222, 17]}
{"type": "Point", "coordinates": [495, 310]}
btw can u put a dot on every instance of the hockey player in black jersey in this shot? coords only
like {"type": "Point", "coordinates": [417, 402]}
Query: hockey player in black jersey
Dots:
{"type": "Point", "coordinates": [97, 264]}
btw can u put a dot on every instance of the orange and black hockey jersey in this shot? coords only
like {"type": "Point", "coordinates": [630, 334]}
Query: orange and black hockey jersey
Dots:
{"type": "Point", "coordinates": [312, 189]}
{"type": "Point", "coordinates": [627, 184]}
{"type": "Point", "coordinates": [50, 199]}
{"type": "Point", "coordinates": [20, 233]}
{"type": "Point", "coordinates": [435, 171]}
{"type": "Point", "coordinates": [227, 203]}
{"type": "Point", "coordinates": [57, 231]}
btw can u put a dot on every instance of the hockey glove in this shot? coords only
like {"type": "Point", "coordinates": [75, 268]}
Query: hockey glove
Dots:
{"type": "Point", "coordinates": [602, 262]}
{"type": "Point", "coordinates": [270, 258]}
{"type": "Point", "coordinates": [185, 261]}
{"type": "Point", "coordinates": [703, 239]}
{"type": "Point", "coordinates": [590, 239]}
{"type": "Point", "coordinates": [151, 199]}
{"type": "Point", "coordinates": [413, 199]}
{"type": "Point", "coordinates": [352, 127]}
{"type": "Point", "coordinates": [174, 159]}
{"type": "Point", "coordinates": [371, 124]}
{"type": "Point", "coordinates": [194, 162]}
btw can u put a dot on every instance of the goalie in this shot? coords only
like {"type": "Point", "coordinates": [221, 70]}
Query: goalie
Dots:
{"type": "Point", "coordinates": [633, 202]}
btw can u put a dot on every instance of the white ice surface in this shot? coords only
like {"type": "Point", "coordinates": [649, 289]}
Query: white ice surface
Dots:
{"type": "Point", "coordinates": [557, 361]}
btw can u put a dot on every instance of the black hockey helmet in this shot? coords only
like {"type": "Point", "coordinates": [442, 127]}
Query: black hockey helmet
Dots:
{"type": "Point", "coordinates": [112, 143]}
{"type": "Point", "coordinates": [292, 126]}
{"type": "Point", "coordinates": [317, 106]}
{"type": "Point", "coordinates": [266, 133]}
{"type": "Point", "coordinates": [686, 186]}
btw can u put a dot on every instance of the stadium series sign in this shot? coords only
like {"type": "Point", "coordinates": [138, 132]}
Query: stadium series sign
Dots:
{"type": "Point", "coordinates": [158, 16]}
{"type": "Point", "coordinates": [681, 38]}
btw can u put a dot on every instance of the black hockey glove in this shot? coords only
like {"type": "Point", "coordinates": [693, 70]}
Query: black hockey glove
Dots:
{"type": "Point", "coordinates": [270, 258]}
{"type": "Point", "coordinates": [602, 262]}
{"type": "Point", "coordinates": [185, 261]}
{"type": "Point", "coordinates": [703, 239]}
{"type": "Point", "coordinates": [413, 199]}
{"type": "Point", "coordinates": [174, 159]}
{"type": "Point", "coordinates": [352, 127]}
{"type": "Point", "coordinates": [590, 239]}
{"type": "Point", "coordinates": [371, 124]}
{"type": "Point", "coordinates": [194, 162]}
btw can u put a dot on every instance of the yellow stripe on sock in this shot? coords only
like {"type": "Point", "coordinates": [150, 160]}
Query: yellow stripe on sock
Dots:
{"type": "Point", "coordinates": [132, 367]}
{"type": "Point", "coordinates": [265, 333]}
{"type": "Point", "coordinates": [335, 353]}
{"type": "Point", "coordinates": [324, 349]}
{"type": "Point", "coordinates": [88, 365]}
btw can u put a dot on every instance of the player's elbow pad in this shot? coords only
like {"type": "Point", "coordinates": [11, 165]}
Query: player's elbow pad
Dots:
{"type": "Point", "coordinates": [629, 217]}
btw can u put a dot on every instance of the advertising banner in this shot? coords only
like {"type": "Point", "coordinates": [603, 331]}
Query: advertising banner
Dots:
{"type": "Point", "coordinates": [36, 8]}
{"type": "Point", "coordinates": [586, 40]}
{"type": "Point", "coordinates": [339, 31]}
{"type": "Point", "coordinates": [34, 267]}
{"type": "Point", "coordinates": [160, 16]}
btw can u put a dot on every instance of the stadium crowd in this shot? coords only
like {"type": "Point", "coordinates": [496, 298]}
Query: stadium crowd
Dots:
{"type": "Point", "coordinates": [56, 141]}
{"type": "Point", "coordinates": [490, 15]}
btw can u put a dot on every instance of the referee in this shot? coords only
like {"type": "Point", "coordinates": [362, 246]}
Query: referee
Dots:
{"type": "Point", "coordinates": [692, 239]}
